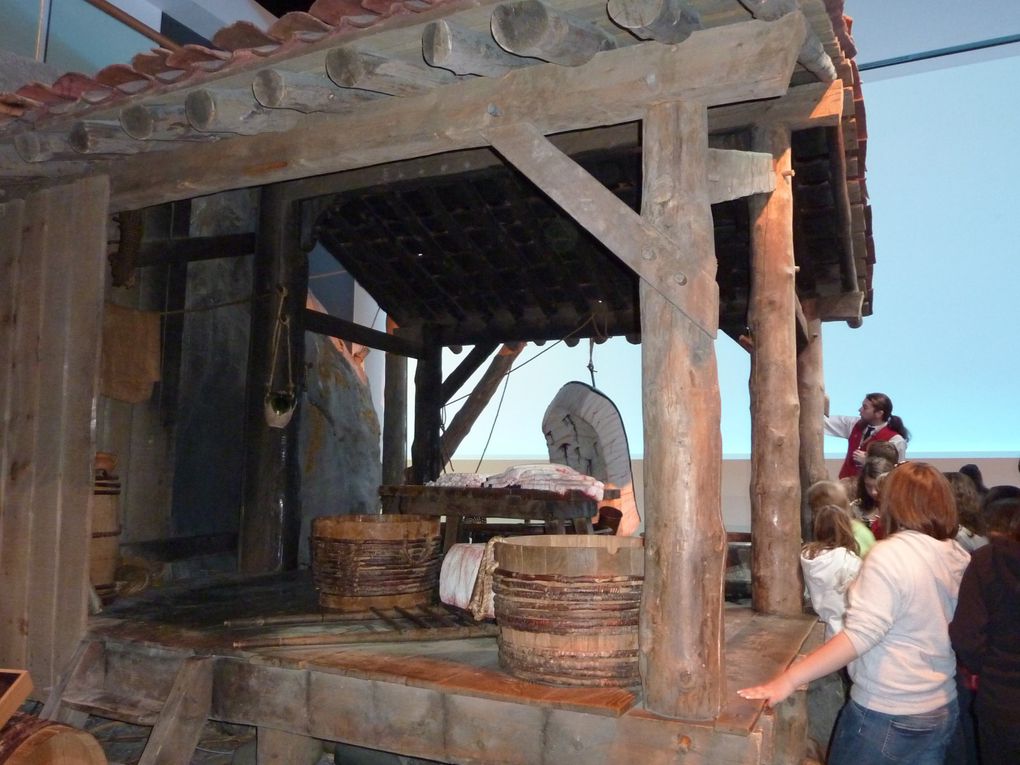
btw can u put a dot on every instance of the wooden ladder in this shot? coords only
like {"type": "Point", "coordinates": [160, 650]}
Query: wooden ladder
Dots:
{"type": "Point", "coordinates": [171, 692]}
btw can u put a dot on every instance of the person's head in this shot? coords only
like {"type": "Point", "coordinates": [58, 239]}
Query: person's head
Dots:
{"type": "Point", "coordinates": [832, 529]}
{"type": "Point", "coordinates": [822, 493]}
{"type": "Point", "coordinates": [876, 408]}
{"type": "Point", "coordinates": [884, 449]}
{"type": "Point", "coordinates": [868, 480]}
{"type": "Point", "coordinates": [973, 472]}
{"type": "Point", "coordinates": [967, 502]}
{"type": "Point", "coordinates": [917, 497]}
{"type": "Point", "coordinates": [1002, 518]}
{"type": "Point", "coordinates": [998, 492]}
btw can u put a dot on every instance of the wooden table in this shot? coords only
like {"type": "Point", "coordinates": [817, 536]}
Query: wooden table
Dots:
{"type": "Point", "coordinates": [557, 511]}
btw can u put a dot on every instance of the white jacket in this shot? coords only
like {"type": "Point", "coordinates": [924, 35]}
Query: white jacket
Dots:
{"type": "Point", "coordinates": [828, 576]}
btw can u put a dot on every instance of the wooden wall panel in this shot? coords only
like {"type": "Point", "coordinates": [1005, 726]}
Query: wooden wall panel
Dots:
{"type": "Point", "coordinates": [51, 363]}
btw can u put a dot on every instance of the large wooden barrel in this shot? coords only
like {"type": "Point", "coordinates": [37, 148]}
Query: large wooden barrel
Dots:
{"type": "Point", "coordinates": [28, 740]}
{"type": "Point", "coordinates": [568, 607]}
{"type": "Point", "coordinates": [361, 562]}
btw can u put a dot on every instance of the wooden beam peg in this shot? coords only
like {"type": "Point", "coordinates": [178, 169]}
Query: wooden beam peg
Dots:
{"type": "Point", "coordinates": [812, 55]}
{"type": "Point", "coordinates": [465, 51]}
{"type": "Point", "coordinates": [235, 111]}
{"type": "Point", "coordinates": [38, 146]}
{"type": "Point", "coordinates": [350, 68]}
{"type": "Point", "coordinates": [532, 28]}
{"type": "Point", "coordinates": [306, 92]}
{"type": "Point", "coordinates": [666, 21]}
{"type": "Point", "coordinates": [106, 137]}
{"type": "Point", "coordinates": [160, 122]}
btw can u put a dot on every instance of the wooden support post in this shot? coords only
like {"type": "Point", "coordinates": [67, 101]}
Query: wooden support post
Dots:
{"type": "Point", "coordinates": [681, 606]}
{"type": "Point", "coordinates": [461, 424]}
{"type": "Point", "coordinates": [271, 513]}
{"type": "Point", "coordinates": [394, 436]}
{"type": "Point", "coordinates": [811, 393]}
{"type": "Point", "coordinates": [775, 410]}
{"type": "Point", "coordinates": [426, 459]}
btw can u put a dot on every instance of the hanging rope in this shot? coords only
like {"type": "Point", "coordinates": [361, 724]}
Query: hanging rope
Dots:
{"type": "Point", "coordinates": [280, 403]}
{"type": "Point", "coordinates": [591, 359]}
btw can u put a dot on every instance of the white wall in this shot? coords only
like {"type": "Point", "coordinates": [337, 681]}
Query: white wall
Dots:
{"type": "Point", "coordinates": [736, 500]}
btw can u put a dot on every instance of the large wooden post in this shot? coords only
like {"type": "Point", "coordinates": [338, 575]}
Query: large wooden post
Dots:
{"type": "Point", "coordinates": [426, 458]}
{"type": "Point", "coordinates": [394, 436]}
{"type": "Point", "coordinates": [681, 606]}
{"type": "Point", "coordinates": [775, 410]}
{"type": "Point", "coordinates": [811, 392]}
{"type": "Point", "coordinates": [271, 513]}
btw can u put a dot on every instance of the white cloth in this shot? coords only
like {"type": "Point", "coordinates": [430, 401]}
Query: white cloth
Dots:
{"type": "Point", "coordinates": [840, 426]}
{"type": "Point", "coordinates": [898, 622]}
{"type": "Point", "coordinates": [970, 541]}
{"type": "Point", "coordinates": [458, 574]}
{"type": "Point", "coordinates": [828, 576]}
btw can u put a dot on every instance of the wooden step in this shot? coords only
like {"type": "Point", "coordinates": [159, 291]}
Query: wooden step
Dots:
{"type": "Point", "coordinates": [130, 709]}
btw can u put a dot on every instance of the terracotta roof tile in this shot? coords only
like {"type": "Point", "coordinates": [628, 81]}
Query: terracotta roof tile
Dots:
{"type": "Point", "coordinates": [300, 25]}
{"type": "Point", "coordinates": [243, 34]}
{"type": "Point", "coordinates": [335, 12]}
{"type": "Point", "coordinates": [125, 79]}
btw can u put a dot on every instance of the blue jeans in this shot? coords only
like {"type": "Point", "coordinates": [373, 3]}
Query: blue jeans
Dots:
{"type": "Point", "coordinates": [865, 737]}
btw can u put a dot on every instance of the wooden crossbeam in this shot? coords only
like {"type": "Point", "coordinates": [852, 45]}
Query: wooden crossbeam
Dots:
{"type": "Point", "coordinates": [735, 174]}
{"type": "Point", "coordinates": [325, 324]}
{"type": "Point", "coordinates": [653, 255]}
{"type": "Point", "coordinates": [614, 87]}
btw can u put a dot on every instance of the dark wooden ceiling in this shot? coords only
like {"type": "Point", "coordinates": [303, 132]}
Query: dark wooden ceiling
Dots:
{"type": "Point", "coordinates": [469, 254]}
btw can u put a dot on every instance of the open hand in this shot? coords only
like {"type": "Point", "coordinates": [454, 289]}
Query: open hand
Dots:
{"type": "Point", "coordinates": [774, 691]}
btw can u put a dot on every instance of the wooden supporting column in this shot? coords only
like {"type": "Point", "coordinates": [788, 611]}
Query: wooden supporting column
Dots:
{"type": "Point", "coordinates": [394, 436]}
{"type": "Point", "coordinates": [271, 513]}
{"type": "Point", "coordinates": [811, 392]}
{"type": "Point", "coordinates": [52, 269]}
{"type": "Point", "coordinates": [775, 410]}
{"type": "Point", "coordinates": [681, 606]}
{"type": "Point", "coordinates": [426, 460]}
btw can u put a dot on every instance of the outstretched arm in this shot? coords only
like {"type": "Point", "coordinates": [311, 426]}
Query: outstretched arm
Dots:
{"type": "Point", "coordinates": [836, 653]}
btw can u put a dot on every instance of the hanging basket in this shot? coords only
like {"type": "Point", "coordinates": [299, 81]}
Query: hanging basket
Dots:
{"type": "Point", "coordinates": [279, 408]}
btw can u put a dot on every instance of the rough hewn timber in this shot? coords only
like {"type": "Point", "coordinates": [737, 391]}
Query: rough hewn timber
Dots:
{"type": "Point", "coordinates": [775, 409]}
{"type": "Point", "coordinates": [271, 511]}
{"type": "Point", "coordinates": [681, 608]}
{"type": "Point", "coordinates": [532, 28]}
{"type": "Point", "coordinates": [667, 21]}
{"type": "Point", "coordinates": [612, 88]}
{"type": "Point", "coordinates": [811, 393]}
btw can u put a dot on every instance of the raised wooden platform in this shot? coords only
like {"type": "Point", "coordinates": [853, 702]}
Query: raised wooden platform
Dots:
{"type": "Point", "coordinates": [441, 699]}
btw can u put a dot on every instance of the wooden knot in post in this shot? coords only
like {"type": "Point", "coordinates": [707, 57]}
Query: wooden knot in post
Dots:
{"type": "Point", "coordinates": [680, 278]}
{"type": "Point", "coordinates": [789, 173]}
{"type": "Point", "coordinates": [683, 744]}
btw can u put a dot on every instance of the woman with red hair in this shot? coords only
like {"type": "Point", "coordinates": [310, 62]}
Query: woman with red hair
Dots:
{"type": "Point", "coordinates": [895, 638]}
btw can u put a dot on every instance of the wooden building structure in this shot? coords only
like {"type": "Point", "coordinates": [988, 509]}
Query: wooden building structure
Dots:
{"type": "Point", "coordinates": [490, 172]}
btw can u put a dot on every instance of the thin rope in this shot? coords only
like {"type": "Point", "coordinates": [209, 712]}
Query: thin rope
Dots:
{"type": "Point", "coordinates": [506, 382]}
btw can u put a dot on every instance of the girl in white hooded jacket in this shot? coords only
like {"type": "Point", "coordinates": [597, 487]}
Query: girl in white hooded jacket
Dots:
{"type": "Point", "coordinates": [830, 564]}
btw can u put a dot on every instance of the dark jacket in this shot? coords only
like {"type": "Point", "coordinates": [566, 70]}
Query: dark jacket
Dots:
{"type": "Point", "coordinates": [985, 630]}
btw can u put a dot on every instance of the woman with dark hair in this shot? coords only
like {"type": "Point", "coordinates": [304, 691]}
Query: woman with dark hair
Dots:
{"type": "Point", "coordinates": [986, 634]}
{"type": "Point", "coordinates": [875, 423]}
{"type": "Point", "coordinates": [972, 525]}
{"type": "Point", "coordinates": [895, 638]}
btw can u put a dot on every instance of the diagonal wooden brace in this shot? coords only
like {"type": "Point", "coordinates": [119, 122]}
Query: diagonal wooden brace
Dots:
{"type": "Point", "coordinates": [653, 255]}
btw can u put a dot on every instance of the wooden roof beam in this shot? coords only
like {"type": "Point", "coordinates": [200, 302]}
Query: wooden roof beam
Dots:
{"type": "Point", "coordinates": [352, 68]}
{"type": "Point", "coordinates": [464, 51]}
{"type": "Point", "coordinates": [532, 28]}
{"type": "Point", "coordinates": [667, 21]}
{"type": "Point", "coordinates": [812, 55]}
{"type": "Point", "coordinates": [614, 87]}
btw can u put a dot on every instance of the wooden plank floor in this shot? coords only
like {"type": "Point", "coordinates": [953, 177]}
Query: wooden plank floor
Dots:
{"type": "Point", "coordinates": [193, 620]}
